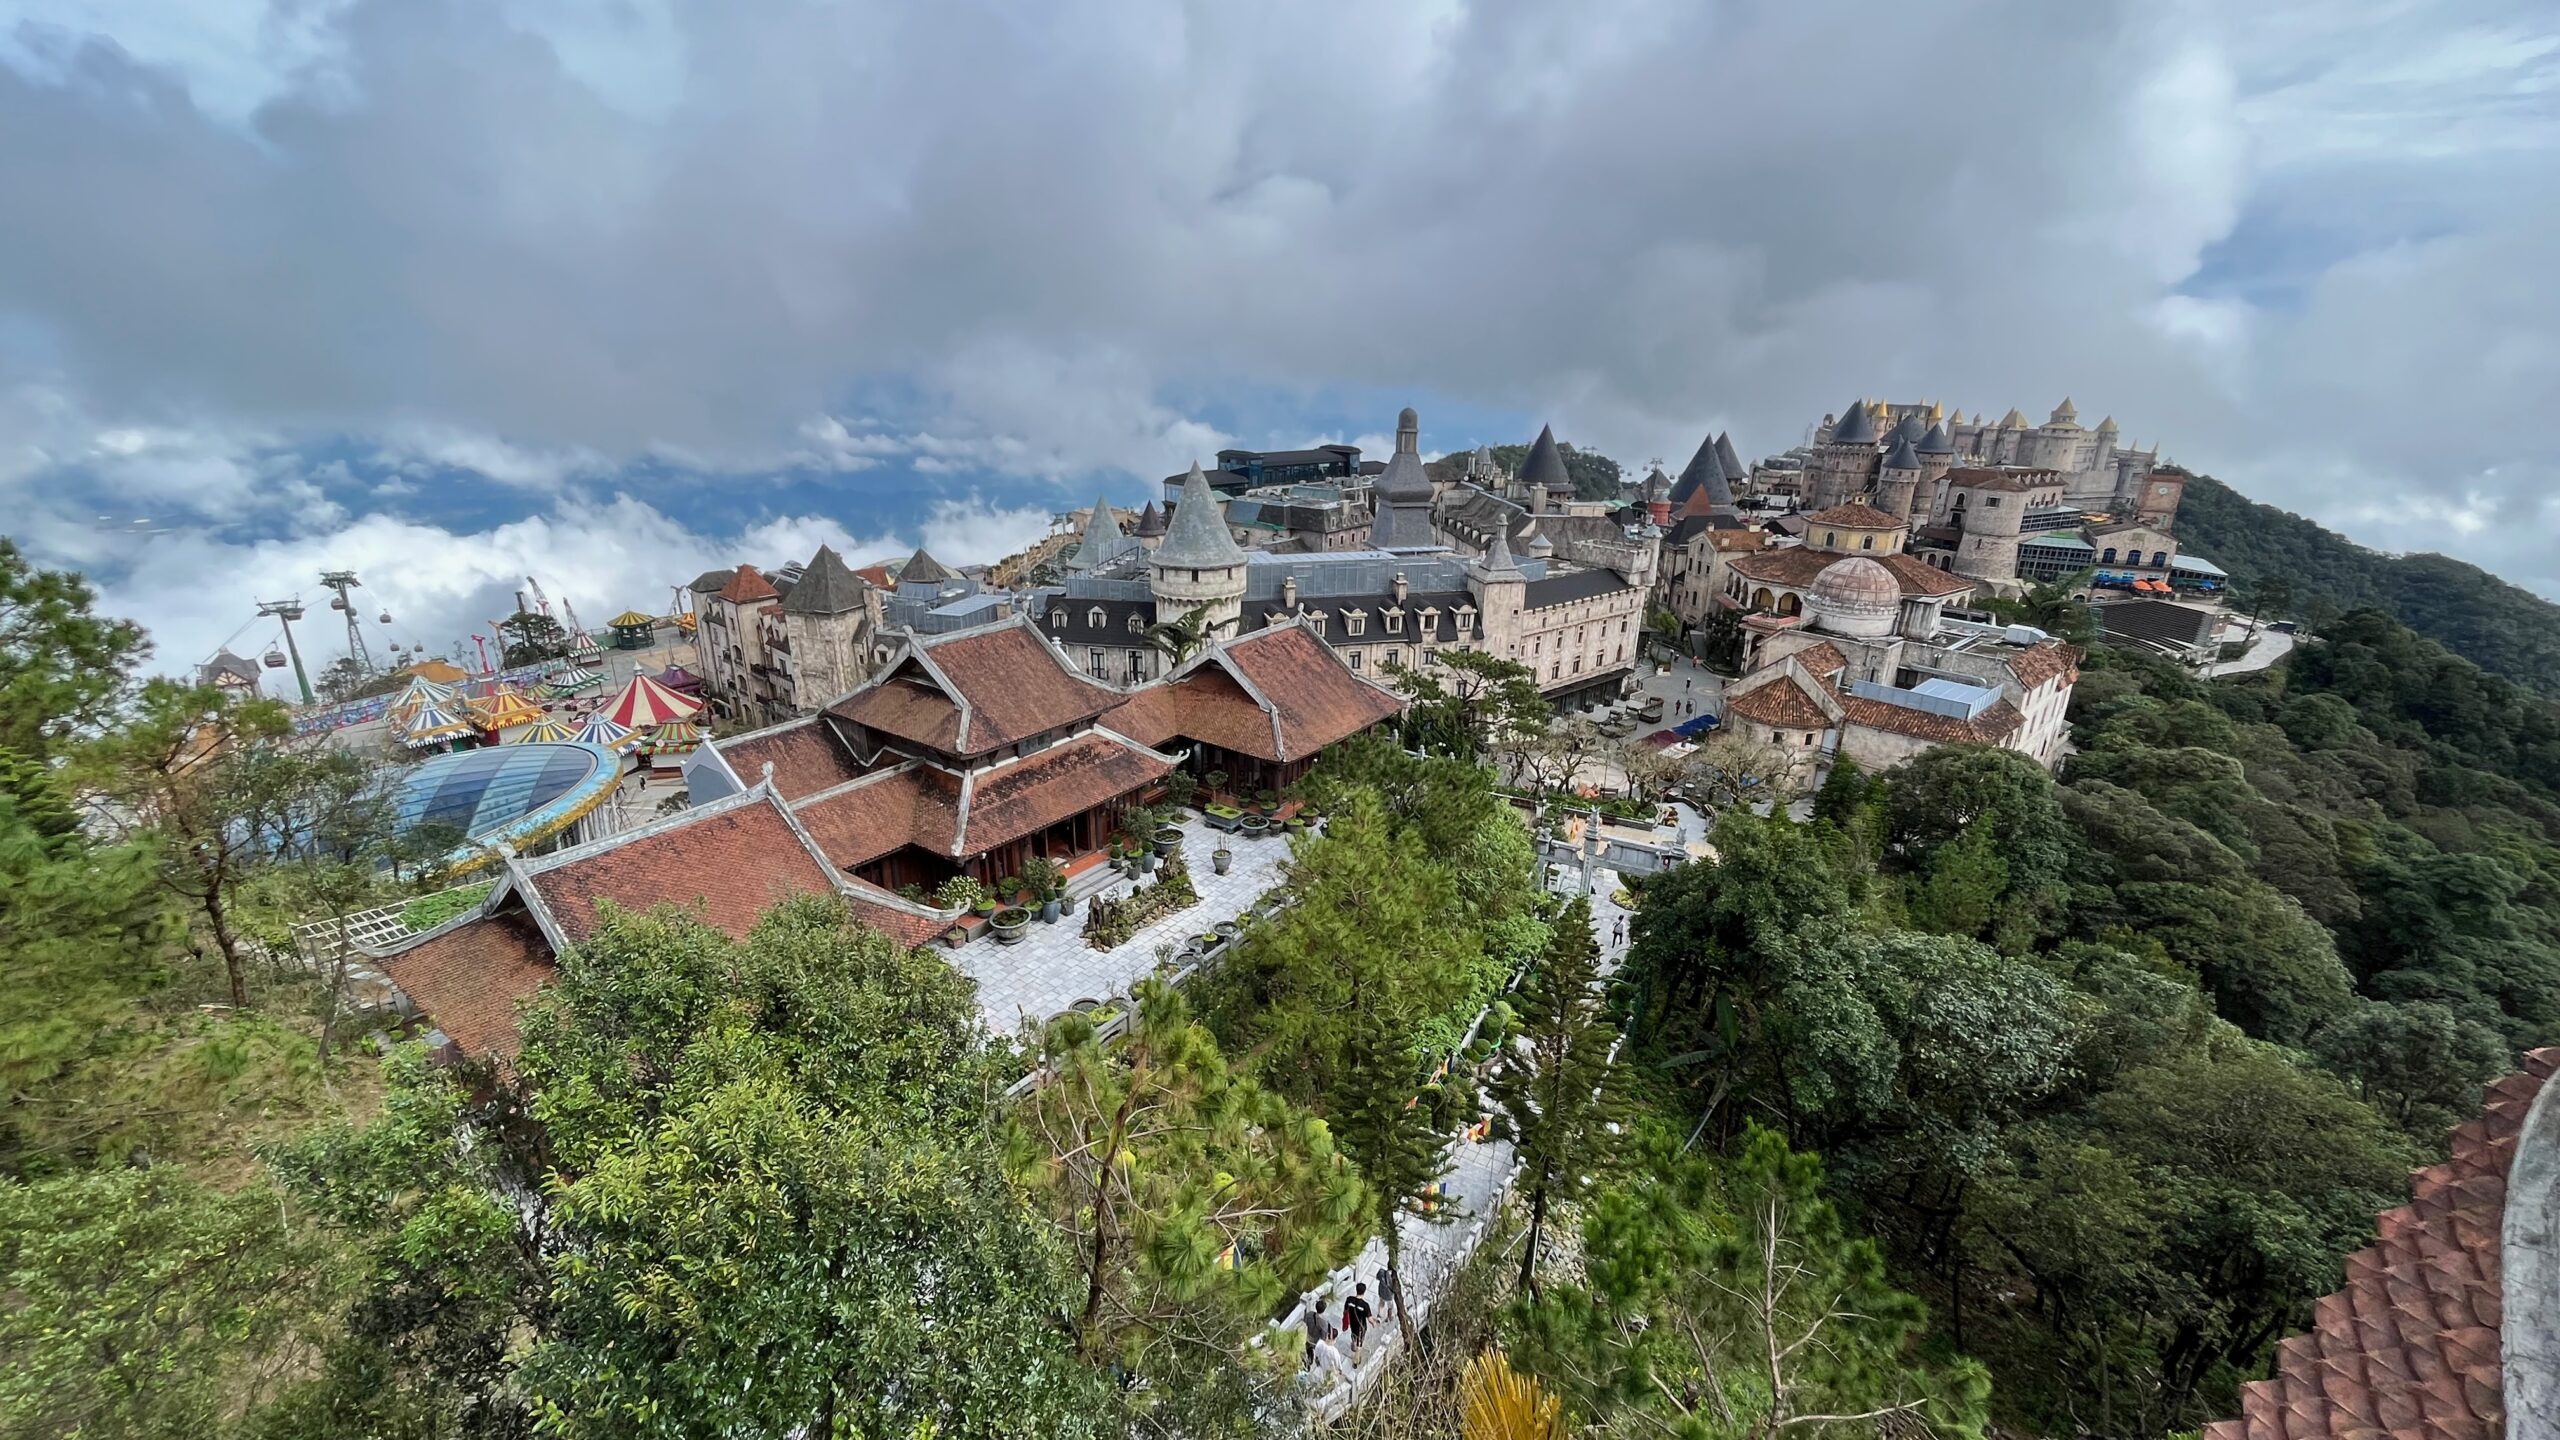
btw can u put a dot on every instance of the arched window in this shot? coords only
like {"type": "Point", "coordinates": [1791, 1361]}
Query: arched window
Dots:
{"type": "Point", "coordinates": [1058, 619]}
{"type": "Point", "coordinates": [1763, 600]}
{"type": "Point", "coordinates": [2108, 558]}
{"type": "Point", "coordinates": [1137, 623]}
{"type": "Point", "coordinates": [1866, 542]}
{"type": "Point", "coordinates": [1790, 604]}
{"type": "Point", "coordinates": [1096, 618]}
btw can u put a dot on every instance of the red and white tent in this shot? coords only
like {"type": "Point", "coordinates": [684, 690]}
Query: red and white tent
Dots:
{"type": "Point", "coordinates": [644, 703]}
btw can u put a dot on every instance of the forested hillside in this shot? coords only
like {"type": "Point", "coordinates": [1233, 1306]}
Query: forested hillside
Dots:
{"type": "Point", "coordinates": [2501, 627]}
{"type": "Point", "coordinates": [2119, 1068]}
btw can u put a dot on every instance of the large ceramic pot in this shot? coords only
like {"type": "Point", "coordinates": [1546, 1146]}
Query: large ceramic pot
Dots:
{"type": "Point", "coordinates": [1221, 858]}
{"type": "Point", "coordinates": [1009, 923]}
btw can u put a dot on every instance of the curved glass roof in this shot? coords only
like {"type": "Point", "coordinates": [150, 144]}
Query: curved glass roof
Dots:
{"type": "Point", "coordinates": [514, 793]}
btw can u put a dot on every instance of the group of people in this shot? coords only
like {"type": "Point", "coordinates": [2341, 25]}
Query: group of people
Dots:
{"type": "Point", "coordinates": [1326, 1350]}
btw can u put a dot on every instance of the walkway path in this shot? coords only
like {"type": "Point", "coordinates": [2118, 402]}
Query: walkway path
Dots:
{"type": "Point", "coordinates": [1474, 1186]}
{"type": "Point", "coordinates": [2270, 647]}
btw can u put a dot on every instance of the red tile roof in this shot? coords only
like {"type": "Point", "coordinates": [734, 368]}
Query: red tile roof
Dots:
{"type": "Point", "coordinates": [805, 755]}
{"type": "Point", "coordinates": [1318, 699]}
{"type": "Point", "coordinates": [1796, 567]}
{"type": "Point", "coordinates": [1005, 684]}
{"type": "Point", "coordinates": [1996, 723]}
{"type": "Point", "coordinates": [1855, 516]}
{"type": "Point", "coordinates": [1919, 577]}
{"type": "Point", "coordinates": [732, 864]}
{"type": "Point", "coordinates": [1822, 660]}
{"type": "Point", "coordinates": [2043, 661]}
{"type": "Point", "coordinates": [1022, 798]}
{"type": "Point", "coordinates": [917, 806]}
{"type": "Point", "coordinates": [469, 979]}
{"type": "Point", "coordinates": [747, 587]}
{"type": "Point", "coordinates": [2409, 1350]}
{"type": "Point", "coordinates": [1782, 704]}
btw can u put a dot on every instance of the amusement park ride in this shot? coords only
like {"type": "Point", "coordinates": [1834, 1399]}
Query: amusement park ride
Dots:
{"type": "Point", "coordinates": [342, 584]}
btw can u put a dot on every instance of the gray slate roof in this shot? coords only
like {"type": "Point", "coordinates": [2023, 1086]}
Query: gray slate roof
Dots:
{"type": "Point", "coordinates": [1198, 536]}
{"type": "Point", "coordinates": [1734, 469]}
{"type": "Point", "coordinates": [827, 587]}
{"type": "Point", "coordinates": [1103, 539]}
{"type": "Point", "coordinates": [1909, 427]}
{"type": "Point", "coordinates": [1856, 427]}
{"type": "Point", "coordinates": [1150, 522]}
{"type": "Point", "coordinates": [1902, 457]}
{"type": "Point", "coordinates": [923, 569]}
{"type": "Point", "coordinates": [1936, 441]}
{"type": "Point", "coordinates": [1544, 466]}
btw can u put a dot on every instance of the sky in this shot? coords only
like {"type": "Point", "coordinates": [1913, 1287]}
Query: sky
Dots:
{"type": "Point", "coordinates": [611, 292]}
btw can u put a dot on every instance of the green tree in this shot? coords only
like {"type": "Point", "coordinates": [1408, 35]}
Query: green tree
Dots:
{"type": "Point", "coordinates": [1740, 1304]}
{"type": "Point", "coordinates": [1557, 1094]}
{"type": "Point", "coordinates": [2053, 607]}
{"type": "Point", "coordinates": [767, 1199]}
{"type": "Point", "coordinates": [1193, 1201]}
{"type": "Point", "coordinates": [144, 1304]}
{"type": "Point", "coordinates": [529, 638]}
{"type": "Point", "coordinates": [1370, 946]}
{"type": "Point", "coordinates": [2416, 1061]}
{"type": "Point", "coordinates": [1183, 636]}
{"type": "Point", "coordinates": [1400, 1152]}
{"type": "Point", "coordinates": [84, 933]}
{"type": "Point", "coordinates": [1472, 704]}
{"type": "Point", "coordinates": [62, 668]}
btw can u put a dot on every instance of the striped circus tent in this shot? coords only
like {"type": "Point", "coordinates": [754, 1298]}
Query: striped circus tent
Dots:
{"type": "Point", "coordinates": [432, 723]}
{"type": "Point", "coordinates": [583, 647]}
{"type": "Point", "coordinates": [599, 730]}
{"type": "Point", "coordinates": [570, 679]}
{"type": "Point", "coordinates": [505, 708]}
{"type": "Point", "coordinates": [549, 730]}
{"type": "Point", "coordinates": [677, 737]}
{"type": "Point", "coordinates": [419, 691]}
{"type": "Point", "coordinates": [644, 704]}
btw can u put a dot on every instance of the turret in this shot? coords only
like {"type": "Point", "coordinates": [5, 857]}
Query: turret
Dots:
{"type": "Point", "coordinates": [1402, 519]}
{"type": "Point", "coordinates": [1995, 511]}
{"type": "Point", "coordinates": [1898, 480]}
{"type": "Point", "coordinates": [1845, 463]}
{"type": "Point", "coordinates": [1937, 451]}
{"type": "Point", "coordinates": [1199, 566]}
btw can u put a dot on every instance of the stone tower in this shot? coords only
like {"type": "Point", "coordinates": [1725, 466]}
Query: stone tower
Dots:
{"type": "Point", "coordinates": [1198, 566]}
{"type": "Point", "coordinates": [1501, 590]}
{"type": "Point", "coordinates": [1995, 512]}
{"type": "Point", "coordinates": [1403, 491]}
{"type": "Point", "coordinates": [831, 617]}
{"type": "Point", "coordinates": [1937, 451]}
{"type": "Point", "coordinates": [1898, 480]}
{"type": "Point", "coordinates": [1844, 463]}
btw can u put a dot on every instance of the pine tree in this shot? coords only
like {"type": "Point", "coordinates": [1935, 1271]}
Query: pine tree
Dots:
{"type": "Point", "coordinates": [1557, 1095]}
{"type": "Point", "coordinates": [1392, 1138]}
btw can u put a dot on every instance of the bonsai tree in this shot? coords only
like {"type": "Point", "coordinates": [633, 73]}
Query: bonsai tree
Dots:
{"type": "Point", "coordinates": [1008, 889]}
{"type": "Point", "coordinates": [1217, 780]}
{"type": "Point", "coordinates": [1180, 789]}
{"type": "Point", "coordinates": [1046, 877]}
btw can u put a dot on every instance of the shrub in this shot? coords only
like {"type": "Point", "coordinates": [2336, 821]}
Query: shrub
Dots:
{"type": "Point", "coordinates": [429, 911]}
{"type": "Point", "coordinates": [960, 892]}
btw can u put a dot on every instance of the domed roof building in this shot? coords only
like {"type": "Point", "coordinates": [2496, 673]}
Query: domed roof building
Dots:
{"type": "Point", "coordinates": [1855, 596]}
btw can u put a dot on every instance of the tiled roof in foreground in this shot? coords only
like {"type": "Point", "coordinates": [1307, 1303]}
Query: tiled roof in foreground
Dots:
{"type": "Point", "coordinates": [2409, 1349]}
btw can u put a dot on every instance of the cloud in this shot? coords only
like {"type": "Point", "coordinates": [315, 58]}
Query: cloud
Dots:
{"type": "Point", "coordinates": [2295, 242]}
{"type": "Point", "coordinates": [602, 556]}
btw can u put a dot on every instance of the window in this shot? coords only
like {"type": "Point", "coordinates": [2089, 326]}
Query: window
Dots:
{"type": "Point", "coordinates": [1057, 619]}
{"type": "Point", "coordinates": [1316, 619]}
{"type": "Point", "coordinates": [1095, 618]}
{"type": "Point", "coordinates": [1355, 623]}
{"type": "Point", "coordinates": [1137, 623]}
{"type": "Point", "coordinates": [1431, 617]}
{"type": "Point", "coordinates": [1831, 537]}
{"type": "Point", "coordinates": [1355, 659]}
{"type": "Point", "coordinates": [2109, 558]}
{"type": "Point", "coordinates": [1093, 660]}
{"type": "Point", "coordinates": [1395, 657]}
{"type": "Point", "coordinates": [1866, 542]}
{"type": "Point", "coordinates": [1534, 642]}
{"type": "Point", "coordinates": [1430, 655]}
{"type": "Point", "coordinates": [1577, 664]}
{"type": "Point", "coordinates": [1395, 622]}
{"type": "Point", "coordinates": [1195, 575]}
{"type": "Point", "coordinates": [1555, 669]}
{"type": "Point", "coordinates": [1989, 502]}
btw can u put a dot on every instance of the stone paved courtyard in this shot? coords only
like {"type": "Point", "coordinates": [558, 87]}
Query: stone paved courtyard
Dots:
{"type": "Point", "coordinates": [1053, 968]}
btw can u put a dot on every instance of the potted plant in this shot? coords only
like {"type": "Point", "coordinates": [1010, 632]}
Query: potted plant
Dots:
{"type": "Point", "coordinates": [1168, 839]}
{"type": "Point", "coordinates": [1009, 923]}
{"type": "Point", "coordinates": [1253, 825]}
{"type": "Point", "coordinates": [1217, 781]}
{"type": "Point", "coordinates": [1269, 800]}
{"type": "Point", "coordinates": [960, 892]}
{"type": "Point", "coordinates": [1181, 789]}
{"type": "Point", "coordinates": [1221, 858]}
{"type": "Point", "coordinates": [1225, 929]}
{"type": "Point", "coordinates": [1009, 890]}
{"type": "Point", "coordinates": [955, 937]}
{"type": "Point", "coordinates": [1047, 883]}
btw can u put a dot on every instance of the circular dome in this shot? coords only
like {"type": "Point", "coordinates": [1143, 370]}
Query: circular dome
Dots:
{"type": "Point", "coordinates": [516, 793]}
{"type": "Point", "coordinates": [1855, 596]}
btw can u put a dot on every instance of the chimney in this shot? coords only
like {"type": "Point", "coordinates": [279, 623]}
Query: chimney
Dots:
{"type": "Point", "coordinates": [1659, 511]}
{"type": "Point", "coordinates": [1402, 589]}
{"type": "Point", "coordinates": [1288, 592]}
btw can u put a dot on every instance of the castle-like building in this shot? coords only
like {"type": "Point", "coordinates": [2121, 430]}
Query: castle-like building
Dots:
{"type": "Point", "coordinates": [1389, 568]}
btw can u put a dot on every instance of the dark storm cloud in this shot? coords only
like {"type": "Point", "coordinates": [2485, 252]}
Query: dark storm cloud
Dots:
{"type": "Point", "coordinates": [2302, 246]}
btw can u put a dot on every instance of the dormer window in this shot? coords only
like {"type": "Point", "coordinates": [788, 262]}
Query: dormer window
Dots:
{"type": "Point", "coordinates": [1316, 619]}
{"type": "Point", "coordinates": [1355, 623]}
{"type": "Point", "coordinates": [1057, 619]}
{"type": "Point", "coordinates": [1095, 618]}
{"type": "Point", "coordinates": [1395, 622]}
{"type": "Point", "coordinates": [1430, 617]}
{"type": "Point", "coordinates": [1137, 623]}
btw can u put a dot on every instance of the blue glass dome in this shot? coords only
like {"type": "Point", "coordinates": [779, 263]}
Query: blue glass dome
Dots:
{"type": "Point", "coordinates": [507, 793]}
